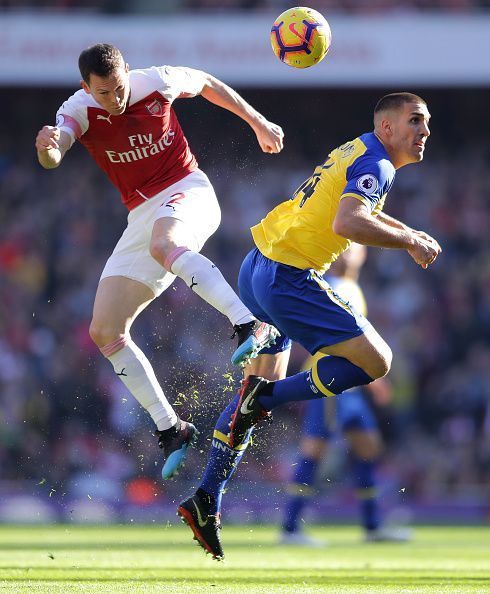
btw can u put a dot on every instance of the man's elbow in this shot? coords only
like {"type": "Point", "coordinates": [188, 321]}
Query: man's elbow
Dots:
{"type": "Point", "coordinates": [48, 165]}
{"type": "Point", "coordinates": [49, 159]}
{"type": "Point", "coordinates": [207, 83]}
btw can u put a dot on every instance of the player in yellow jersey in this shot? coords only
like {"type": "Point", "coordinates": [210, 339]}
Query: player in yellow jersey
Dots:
{"type": "Point", "coordinates": [281, 282]}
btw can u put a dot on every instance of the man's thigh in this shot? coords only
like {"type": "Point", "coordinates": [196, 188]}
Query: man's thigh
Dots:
{"type": "Point", "coordinates": [368, 351]}
{"type": "Point", "coordinates": [118, 302]}
{"type": "Point", "coordinates": [131, 257]}
{"type": "Point", "coordinates": [192, 202]}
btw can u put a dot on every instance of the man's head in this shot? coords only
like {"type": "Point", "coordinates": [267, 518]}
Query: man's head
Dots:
{"type": "Point", "coordinates": [105, 77]}
{"type": "Point", "coordinates": [401, 122]}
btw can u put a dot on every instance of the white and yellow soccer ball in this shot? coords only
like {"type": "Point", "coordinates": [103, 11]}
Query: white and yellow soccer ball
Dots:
{"type": "Point", "coordinates": [300, 37]}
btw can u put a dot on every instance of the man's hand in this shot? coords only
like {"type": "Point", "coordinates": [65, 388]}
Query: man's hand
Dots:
{"type": "Point", "coordinates": [270, 136]}
{"type": "Point", "coordinates": [425, 249]}
{"type": "Point", "coordinates": [51, 146]}
{"type": "Point", "coordinates": [47, 138]}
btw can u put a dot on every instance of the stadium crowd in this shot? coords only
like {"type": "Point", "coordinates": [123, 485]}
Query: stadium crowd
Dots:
{"type": "Point", "coordinates": [171, 6]}
{"type": "Point", "coordinates": [67, 425]}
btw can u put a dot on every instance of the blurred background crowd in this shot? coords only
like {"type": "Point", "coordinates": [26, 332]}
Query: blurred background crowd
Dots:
{"type": "Point", "coordinates": [169, 6]}
{"type": "Point", "coordinates": [75, 443]}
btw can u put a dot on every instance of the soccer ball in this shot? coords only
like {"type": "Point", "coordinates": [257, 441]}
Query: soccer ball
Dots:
{"type": "Point", "coordinates": [300, 37]}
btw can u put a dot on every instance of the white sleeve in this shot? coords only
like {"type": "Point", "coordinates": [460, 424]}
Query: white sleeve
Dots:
{"type": "Point", "coordinates": [180, 81]}
{"type": "Point", "coordinates": [71, 117]}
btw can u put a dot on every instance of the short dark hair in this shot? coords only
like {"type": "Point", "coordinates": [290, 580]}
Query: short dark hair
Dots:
{"type": "Point", "coordinates": [101, 59]}
{"type": "Point", "coordinates": [396, 100]}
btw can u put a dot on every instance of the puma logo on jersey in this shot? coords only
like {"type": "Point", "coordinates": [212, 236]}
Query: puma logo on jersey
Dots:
{"type": "Point", "coordinates": [106, 118]}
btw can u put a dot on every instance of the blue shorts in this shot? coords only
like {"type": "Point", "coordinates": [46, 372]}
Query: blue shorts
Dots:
{"type": "Point", "coordinates": [299, 303]}
{"type": "Point", "coordinates": [325, 416]}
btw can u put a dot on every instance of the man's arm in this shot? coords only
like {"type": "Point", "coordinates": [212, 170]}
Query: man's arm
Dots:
{"type": "Point", "coordinates": [51, 145]}
{"type": "Point", "coordinates": [270, 136]}
{"type": "Point", "coordinates": [392, 222]}
{"type": "Point", "coordinates": [354, 221]}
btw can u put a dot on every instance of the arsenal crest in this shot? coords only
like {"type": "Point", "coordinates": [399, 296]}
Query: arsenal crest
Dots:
{"type": "Point", "coordinates": [155, 108]}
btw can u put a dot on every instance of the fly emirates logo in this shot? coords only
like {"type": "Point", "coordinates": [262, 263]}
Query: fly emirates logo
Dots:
{"type": "Point", "coordinates": [142, 147]}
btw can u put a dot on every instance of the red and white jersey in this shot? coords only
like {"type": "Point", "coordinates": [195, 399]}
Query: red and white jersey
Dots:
{"type": "Point", "coordinates": [143, 150]}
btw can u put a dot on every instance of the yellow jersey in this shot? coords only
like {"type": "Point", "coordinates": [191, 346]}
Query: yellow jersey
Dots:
{"type": "Point", "coordinates": [298, 232]}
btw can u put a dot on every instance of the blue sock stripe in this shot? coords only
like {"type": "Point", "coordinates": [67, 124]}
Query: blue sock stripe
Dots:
{"type": "Point", "coordinates": [225, 439]}
{"type": "Point", "coordinates": [315, 378]}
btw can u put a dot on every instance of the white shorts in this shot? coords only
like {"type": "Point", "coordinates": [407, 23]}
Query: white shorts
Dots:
{"type": "Point", "coordinates": [191, 200]}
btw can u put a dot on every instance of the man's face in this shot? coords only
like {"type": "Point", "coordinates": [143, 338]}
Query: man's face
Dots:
{"type": "Point", "coordinates": [111, 92]}
{"type": "Point", "coordinates": [410, 130]}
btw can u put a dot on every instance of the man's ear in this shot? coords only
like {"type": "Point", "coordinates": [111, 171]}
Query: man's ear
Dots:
{"type": "Point", "coordinates": [387, 126]}
{"type": "Point", "coordinates": [85, 87]}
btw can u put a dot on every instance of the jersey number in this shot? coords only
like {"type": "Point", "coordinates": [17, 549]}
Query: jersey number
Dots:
{"type": "Point", "coordinates": [308, 186]}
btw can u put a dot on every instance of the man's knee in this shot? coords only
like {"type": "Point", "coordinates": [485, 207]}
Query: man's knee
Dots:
{"type": "Point", "coordinates": [369, 352]}
{"type": "Point", "coordinates": [160, 248]}
{"type": "Point", "coordinates": [313, 448]}
{"type": "Point", "coordinates": [102, 333]}
{"type": "Point", "coordinates": [165, 252]}
{"type": "Point", "coordinates": [169, 239]}
{"type": "Point", "coordinates": [365, 445]}
{"type": "Point", "coordinates": [378, 362]}
{"type": "Point", "coordinates": [382, 365]}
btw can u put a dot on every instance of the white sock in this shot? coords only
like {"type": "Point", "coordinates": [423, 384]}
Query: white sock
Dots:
{"type": "Point", "coordinates": [205, 279]}
{"type": "Point", "coordinates": [135, 371]}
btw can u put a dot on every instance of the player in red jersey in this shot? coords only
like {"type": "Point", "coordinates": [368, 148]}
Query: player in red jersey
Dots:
{"type": "Point", "coordinates": [125, 120]}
